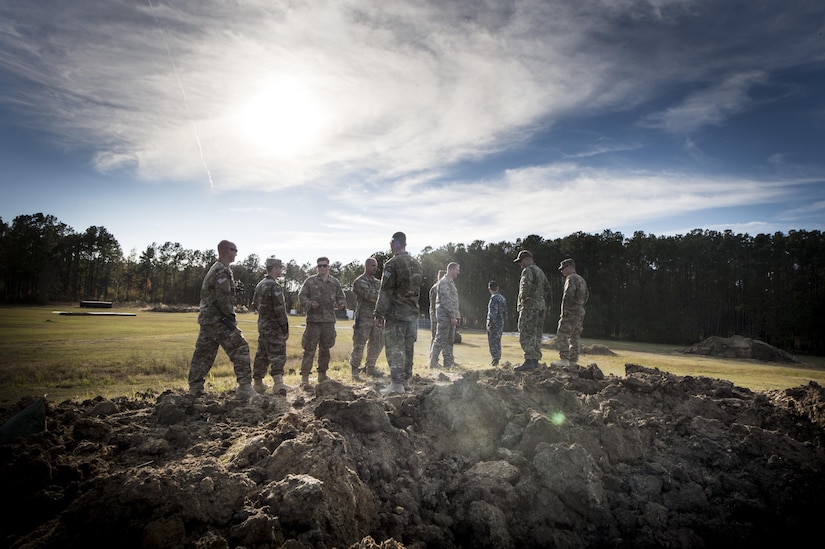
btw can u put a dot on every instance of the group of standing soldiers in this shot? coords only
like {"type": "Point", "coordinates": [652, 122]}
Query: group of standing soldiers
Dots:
{"type": "Point", "coordinates": [386, 315]}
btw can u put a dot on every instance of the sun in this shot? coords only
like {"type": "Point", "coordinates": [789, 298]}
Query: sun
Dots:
{"type": "Point", "coordinates": [284, 119]}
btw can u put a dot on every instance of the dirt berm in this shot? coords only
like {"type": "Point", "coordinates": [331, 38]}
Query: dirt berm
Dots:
{"type": "Point", "coordinates": [554, 458]}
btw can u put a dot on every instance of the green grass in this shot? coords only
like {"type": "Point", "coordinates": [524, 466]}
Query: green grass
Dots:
{"type": "Point", "coordinates": [81, 357]}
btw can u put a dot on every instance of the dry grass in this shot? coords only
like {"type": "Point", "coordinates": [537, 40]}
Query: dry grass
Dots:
{"type": "Point", "coordinates": [80, 357]}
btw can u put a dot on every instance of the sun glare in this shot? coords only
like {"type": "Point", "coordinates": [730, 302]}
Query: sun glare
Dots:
{"type": "Point", "coordinates": [284, 119]}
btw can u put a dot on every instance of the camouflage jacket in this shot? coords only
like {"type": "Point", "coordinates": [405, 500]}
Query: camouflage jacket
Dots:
{"type": "Point", "coordinates": [327, 293]}
{"type": "Point", "coordinates": [217, 294]}
{"type": "Point", "coordinates": [446, 299]}
{"type": "Point", "coordinates": [400, 288]}
{"type": "Point", "coordinates": [575, 293]}
{"type": "Point", "coordinates": [533, 289]}
{"type": "Point", "coordinates": [496, 311]}
{"type": "Point", "coordinates": [268, 300]}
{"type": "Point", "coordinates": [366, 294]}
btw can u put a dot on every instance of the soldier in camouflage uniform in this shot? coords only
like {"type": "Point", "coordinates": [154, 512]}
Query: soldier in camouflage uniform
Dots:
{"type": "Point", "coordinates": [364, 331]}
{"type": "Point", "coordinates": [533, 293]}
{"type": "Point", "coordinates": [219, 328]}
{"type": "Point", "coordinates": [320, 295]}
{"type": "Point", "coordinates": [433, 290]}
{"type": "Point", "coordinates": [447, 317]}
{"type": "Point", "coordinates": [397, 311]}
{"type": "Point", "coordinates": [273, 328]}
{"type": "Point", "coordinates": [572, 314]}
{"type": "Point", "coordinates": [496, 316]}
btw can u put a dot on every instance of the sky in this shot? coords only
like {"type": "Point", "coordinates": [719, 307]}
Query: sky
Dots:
{"type": "Point", "coordinates": [321, 127]}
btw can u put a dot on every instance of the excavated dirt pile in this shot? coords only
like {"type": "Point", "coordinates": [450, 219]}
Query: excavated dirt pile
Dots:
{"type": "Point", "coordinates": [553, 458]}
{"type": "Point", "coordinates": [740, 347]}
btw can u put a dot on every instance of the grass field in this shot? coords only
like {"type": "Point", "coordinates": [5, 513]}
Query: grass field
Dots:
{"type": "Point", "coordinates": [79, 357]}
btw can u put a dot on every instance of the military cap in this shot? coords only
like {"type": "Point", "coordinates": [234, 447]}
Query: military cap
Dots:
{"type": "Point", "coordinates": [521, 255]}
{"type": "Point", "coordinates": [273, 261]}
{"type": "Point", "coordinates": [567, 263]}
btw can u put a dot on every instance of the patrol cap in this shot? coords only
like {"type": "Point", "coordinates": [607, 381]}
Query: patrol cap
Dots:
{"type": "Point", "coordinates": [492, 284]}
{"type": "Point", "coordinates": [273, 261]}
{"type": "Point", "coordinates": [567, 263]}
{"type": "Point", "coordinates": [521, 255]}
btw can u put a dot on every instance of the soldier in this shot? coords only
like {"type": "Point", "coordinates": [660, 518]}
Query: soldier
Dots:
{"type": "Point", "coordinates": [219, 328]}
{"type": "Point", "coordinates": [572, 314]}
{"type": "Point", "coordinates": [364, 330]}
{"type": "Point", "coordinates": [273, 328]}
{"type": "Point", "coordinates": [533, 292]}
{"type": "Point", "coordinates": [320, 295]}
{"type": "Point", "coordinates": [496, 316]}
{"type": "Point", "coordinates": [397, 311]}
{"type": "Point", "coordinates": [447, 317]}
{"type": "Point", "coordinates": [433, 290]}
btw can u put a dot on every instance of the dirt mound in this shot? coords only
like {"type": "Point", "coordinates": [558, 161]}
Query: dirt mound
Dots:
{"type": "Point", "coordinates": [596, 349]}
{"type": "Point", "coordinates": [740, 347]}
{"type": "Point", "coordinates": [554, 458]}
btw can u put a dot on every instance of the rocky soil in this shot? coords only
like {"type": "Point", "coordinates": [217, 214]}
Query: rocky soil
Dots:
{"type": "Point", "coordinates": [553, 458]}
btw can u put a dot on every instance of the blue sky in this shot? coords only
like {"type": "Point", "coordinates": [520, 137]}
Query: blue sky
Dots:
{"type": "Point", "coordinates": [314, 128]}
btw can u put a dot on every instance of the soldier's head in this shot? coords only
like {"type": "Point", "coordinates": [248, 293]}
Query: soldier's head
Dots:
{"type": "Point", "coordinates": [274, 266]}
{"type": "Point", "coordinates": [567, 266]}
{"type": "Point", "coordinates": [398, 242]}
{"type": "Point", "coordinates": [227, 251]}
{"type": "Point", "coordinates": [453, 270]}
{"type": "Point", "coordinates": [492, 286]}
{"type": "Point", "coordinates": [370, 266]}
{"type": "Point", "coordinates": [524, 258]}
{"type": "Point", "coordinates": [322, 263]}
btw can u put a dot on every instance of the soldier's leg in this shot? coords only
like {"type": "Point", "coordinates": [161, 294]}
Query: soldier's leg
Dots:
{"type": "Point", "coordinates": [309, 342]}
{"type": "Point", "coordinates": [437, 347]}
{"type": "Point", "coordinates": [449, 341]}
{"type": "Point", "coordinates": [206, 349]}
{"type": "Point", "coordinates": [360, 334]}
{"type": "Point", "coordinates": [237, 349]}
{"type": "Point", "coordinates": [394, 348]}
{"type": "Point", "coordinates": [325, 343]}
{"type": "Point", "coordinates": [261, 362]}
{"type": "Point", "coordinates": [563, 337]}
{"type": "Point", "coordinates": [374, 347]}
{"type": "Point", "coordinates": [410, 336]}
{"type": "Point", "coordinates": [539, 333]}
{"type": "Point", "coordinates": [575, 337]}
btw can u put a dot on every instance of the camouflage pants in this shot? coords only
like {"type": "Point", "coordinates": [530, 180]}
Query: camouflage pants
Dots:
{"type": "Point", "coordinates": [443, 344]}
{"type": "Point", "coordinates": [366, 333]}
{"type": "Point", "coordinates": [530, 328]}
{"type": "Point", "coordinates": [568, 333]}
{"type": "Point", "coordinates": [320, 335]}
{"type": "Point", "coordinates": [271, 353]}
{"type": "Point", "coordinates": [494, 341]}
{"type": "Point", "coordinates": [399, 339]}
{"type": "Point", "coordinates": [210, 337]}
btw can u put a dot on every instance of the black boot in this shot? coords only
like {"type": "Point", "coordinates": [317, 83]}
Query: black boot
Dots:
{"type": "Point", "coordinates": [528, 365]}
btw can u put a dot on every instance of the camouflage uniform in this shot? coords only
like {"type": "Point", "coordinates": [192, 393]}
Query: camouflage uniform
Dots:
{"type": "Point", "coordinates": [572, 317]}
{"type": "Point", "coordinates": [496, 315]}
{"type": "Point", "coordinates": [433, 318]}
{"type": "Point", "coordinates": [446, 309]}
{"type": "Point", "coordinates": [273, 328]}
{"type": "Point", "coordinates": [534, 289]}
{"type": "Point", "coordinates": [320, 324]}
{"type": "Point", "coordinates": [364, 330]}
{"type": "Point", "coordinates": [216, 315]}
{"type": "Point", "coordinates": [397, 305]}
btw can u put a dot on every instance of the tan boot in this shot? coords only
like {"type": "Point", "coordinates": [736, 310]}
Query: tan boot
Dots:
{"type": "Point", "coordinates": [322, 376]}
{"type": "Point", "coordinates": [305, 382]}
{"type": "Point", "coordinates": [258, 385]}
{"type": "Point", "coordinates": [244, 391]}
{"type": "Point", "coordinates": [278, 383]}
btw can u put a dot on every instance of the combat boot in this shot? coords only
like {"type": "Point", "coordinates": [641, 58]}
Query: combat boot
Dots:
{"type": "Point", "coordinates": [322, 376]}
{"type": "Point", "coordinates": [562, 362]}
{"type": "Point", "coordinates": [355, 376]}
{"type": "Point", "coordinates": [258, 385]}
{"type": "Point", "coordinates": [245, 391]}
{"type": "Point", "coordinates": [494, 362]}
{"type": "Point", "coordinates": [305, 382]}
{"type": "Point", "coordinates": [393, 388]}
{"type": "Point", "coordinates": [278, 383]}
{"type": "Point", "coordinates": [371, 371]}
{"type": "Point", "coordinates": [528, 365]}
{"type": "Point", "coordinates": [196, 391]}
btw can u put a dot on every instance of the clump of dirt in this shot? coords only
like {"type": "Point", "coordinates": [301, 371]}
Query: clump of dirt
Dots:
{"type": "Point", "coordinates": [740, 347]}
{"type": "Point", "coordinates": [559, 457]}
{"type": "Point", "coordinates": [596, 349]}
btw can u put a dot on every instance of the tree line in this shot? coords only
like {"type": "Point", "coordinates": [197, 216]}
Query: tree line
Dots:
{"type": "Point", "coordinates": [660, 289]}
